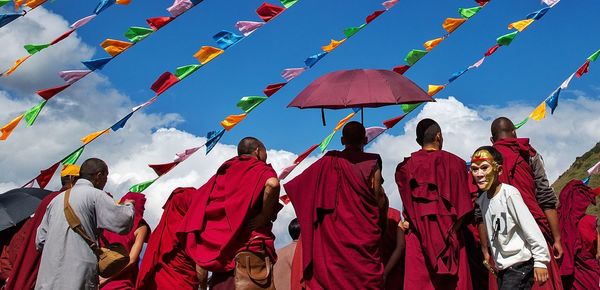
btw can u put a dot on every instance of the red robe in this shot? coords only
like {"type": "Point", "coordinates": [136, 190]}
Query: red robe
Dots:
{"type": "Point", "coordinates": [518, 173]}
{"type": "Point", "coordinates": [587, 270]}
{"type": "Point", "coordinates": [339, 220]}
{"type": "Point", "coordinates": [164, 265]}
{"type": "Point", "coordinates": [435, 194]}
{"type": "Point", "coordinates": [395, 279]}
{"type": "Point", "coordinates": [214, 228]}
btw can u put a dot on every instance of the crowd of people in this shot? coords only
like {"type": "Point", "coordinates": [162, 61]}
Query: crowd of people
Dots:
{"type": "Point", "coordinates": [491, 223]}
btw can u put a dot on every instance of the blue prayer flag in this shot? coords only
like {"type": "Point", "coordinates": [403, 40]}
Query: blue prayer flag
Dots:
{"type": "Point", "coordinates": [212, 138]}
{"type": "Point", "coordinates": [98, 63]}
{"type": "Point", "coordinates": [121, 122]}
{"type": "Point", "coordinates": [226, 39]}
{"type": "Point", "coordinates": [313, 59]}
{"type": "Point", "coordinates": [552, 101]}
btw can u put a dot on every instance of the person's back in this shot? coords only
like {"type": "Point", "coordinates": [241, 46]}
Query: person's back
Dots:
{"type": "Point", "coordinates": [587, 269]}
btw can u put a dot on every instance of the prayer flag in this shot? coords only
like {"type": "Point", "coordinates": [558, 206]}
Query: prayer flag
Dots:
{"type": "Point", "coordinates": [140, 187]}
{"type": "Point", "coordinates": [434, 89]}
{"type": "Point", "coordinates": [537, 15]}
{"type": "Point", "coordinates": [583, 69]}
{"type": "Point", "coordinates": [551, 3]}
{"type": "Point", "coordinates": [288, 3]}
{"type": "Point", "coordinates": [71, 76]}
{"type": "Point", "coordinates": [373, 16]}
{"type": "Point", "coordinates": [565, 84]}
{"type": "Point", "coordinates": [594, 169]}
{"type": "Point", "coordinates": [313, 59]}
{"type": "Point", "coordinates": [123, 2]}
{"type": "Point", "coordinates": [348, 32]}
{"type": "Point", "coordinates": [480, 62]}
{"type": "Point", "coordinates": [491, 50]}
{"type": "Point", "coordinates": [98, 63]}
{"type": "Point", "coordinates": [507, 38]}
{"type": "Point", "coordinates": [157, 23]}
{"type": "Point", "coordinates": [164, 82]}
{"type": "Point", "coordinates": [401, 69]}
{"type": "Point", "coordinates": [539, 112]}
{"type": "Point", "coordinates": [247, 27]}
{"type": "Point", "coordinates": [35, 3]}
{"type": "Point", "coordinates": [63, 36]}
{"type": "Point", "coordinates": [207, 53]}
{"type": "Point", "coordinates": [332, 45]}
{"type": "Point", "coordinates": [73, 157]}
{"type": "Point", "coordinates": [594, 56]}
{"type": "Point", "coordinates": [184, 71]}
{"type": "Point", "coordinates": [325, 143]}
{"type": "Point", "coordinates": [284, 173]}
{"type": "Point", "coordinates": [226, 39]}
{"type": "Point", "coordinates": [135, 33]}
{"type": "Point", "coordinates": [87, 139]}
{"type": "Point", "coordinates": [121, 123]}
{"type": "Point", "coordinates": [17, 64]}
{"type": "Point", "coordinates": [520, 25]}
{"type": "Point", "coordinates": [520, 124]}
{"type": "Point", "coordinates": [30, 184]}
{"type": "Point", "coordinates": [7, 18]}
{"type": "Point", "coordinates": [552, 100]}
{"type": "Point", "coordinates": [451, 24]}
{"type": "Point", "coordinates": [393, 121]}
{"type": "Point", "coordinates": [469, 12]}
{"type": "Point", "coordinates": [457, 74]}
{"type": "Point", "coordinates": [586, 180]}
{"type": "Point", "coordinates": [51, 92]}
{"type": "Point", "coordinates": [212, 138]}
{"type": "Point", "coordinates": [290, 73]}
{"type": "Point", "coordinates": [46, 175]}
{"type": "Point", "coordinates": [180, 6]}
{"type": "Point", "coordinates": [7, 129]}
{"type": "Point", "coordinates": [273, 88]}
{"type": "Point", "coordinates": [374, 132]}
{"type": "Point", "coordinates": [115, 47]}
{"type": "Point", "coordinates": [4, 2]}
{"type": "Point", "coordinates": [341, 123]}
{"type": "Point", "coordinates": [232, 120]}
{"type": "Point", "coordinates": [268, 11]}
{"type": "Point", "coordinates": [185, 154]}
{"type": "Point", "coordinates": [389, 4]}
{"type": "Point", "coordinates": [430, 44]}
{"type": "Point", "coordinates": [414, 55]}
{"type": "Point", "coordinates": [83, 21]}
{"type": "Point", "coordinates": [18, 4]}
{"type": "Point", "coordinates": [161, 169]}
{"type": "Point", "coordinates": [305, 154]}
{"type": "Point", "coordinates": [32, 113]}
{"type": "Point", "coordinates": [34, 48]}
{"type": "Point", "coordinates": [103, 5]}
{"type": "Point", "coordinates": [407, 108]}
{"type": "Point", "coordinates": [247, 104]}
{"type": "Point", "coordinates": [148, 102]}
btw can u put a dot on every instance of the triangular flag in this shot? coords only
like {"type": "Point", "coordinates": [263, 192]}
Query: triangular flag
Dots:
{"type": "Point", "coordinates": [103, 5]}
{"type": "Point", "coordinates": [212, 138]}
{"type": "Point", "coordinates": [273, 88]}
{"type": "Point", "coordinates": [35, 3]}
{"type": "Point", "coordinates": [479, 62]}
{"type": "Point", "coordinates": [4, 2]}
{"type": "Point", "coordinates": [389, 4]}
{"type": "Point", "coordinates": [393, 121]}
{"type": "Point", "coordinates": [226, 39]}
{"type": "Point", "coordinates": [594, 56]}
{"type": "Point", "coordinates": [332, 45]}
{"type": "Point", "coordinates": [87, 139]}
{"type": "Point", "coordinates": [507, 38]}
{"type": "Point", "coordinates": [135, 33]}
{"type": "Point", "coordinates": [284, 173]}
{"type": "Point", "coordinates": [63, 36]}
{"type": "Point", "coordinates": [288, 3]}
{"type": "Point", "coordinates": [305, 154]}
{"type": "Point", "coordinates": [583, 69]}
{"type": "Point", "coordinates": [456, 75]}
{"type": "Point", "coordinates": [434, 89]}
{"type": "Point", "coordinates": [348, 32]}
{"type": "Point", "coordinates": [325, 143]}
{"type": "Point", "coordinates": [552, 100]}
{"type": "Point", "coordinates": [539, 112]}
{"type": "Point", "coordinates": [46, 175]}
{"type": "Point", "coordinates": [157, 23]}
{"type": "Point", "coordinates": [16, 65]}
{"type": "Point", "coordinates": [8, 128]}
{"type": "Point", "coordinates": [414, 55]}
{"type": "Point", "coordinates": [161, 169]}
{"type": "Point", "coordinates": [32, 113]}
{"type": "Point", "coordinates": [374, 132]}
{"type": "Point", "coordinates": [401, 69]}
{"type": "Point", "coordinates": [51, 92]}
{"type": "Point", "coordinates": [341, 123]}
{"type": "Point", "coordinates": [313, 59]}
{"type": "Point", "coordinates": [247, 27]}
{"type": "Point", "coordinates": [8, 18]}
{"type": "Point", "coordinates": [537, 15]}
{"type": "Point", "coordinates": [30, 184]}
{"type": "Point", "coordinates": [469, 12]}
{"type": "Point", "coordinates": [148, 102]}
{"type": "Point", "coordinates": [491, 50]}
{"type": "Point", "coordinates": [268, 11]}
{"type": "Point", "coordinates": [232, 120]}
{"type": "Point", "coordinates": [594, 169]}
{"type": "Point", "coordinates": [586, 180]}
{"type": "Point", "coordinates": [407, 108]}
{"type": "Point", "coordinates": [123, 2]}
{"type": "Point", "coordinates": [140, 187]}
{"type": "Point", "coordinates": [121, 123]}
{"type": "Point", "coordinates": [35, 48]}
{"type": "Point", "coordinates": [520, 25]}
{"type": "Point", "coordinates": [248, 104]}
{"type": "Point", "coordinates": [373, 16]}
{"type": "Point", "coordinates": [18, 4]}
{"type": "Point", "coordinates": [565, 84]}
{"type": "Point", "coordinates": [451, 24]}
{"type": "Point", "coordinates": [186, 154]}
{"type": "Point", "coordinates": [71, 76]}
{"type": "Point", "coordinates": [164, 82]}
{"type": "Point", "coordinates": [115, 47]}
{"type": "Point", "coordinates": [98, 63]}
{"type": "Point", "coordinates": [180, 6]}
{"type": "Point", "coordinates": [184, 71]}
{"type": "Point", "coordinates": [290, 73]}
{"type": "Point", "coordinates": [207, 53]}
{"type": "Point", "coordinates": [73, 157]}
{"type": "Point", "coordinates": [520, 124]}
{"type": "Point", "coordinates": [83, 21]}
{"type": "Point", "coordinates": [551, 3]}
{"type": "Point", "coordinates": [430, 44]}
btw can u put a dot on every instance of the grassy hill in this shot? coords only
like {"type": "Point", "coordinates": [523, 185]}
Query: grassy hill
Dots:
{"type": "Point", "coordinates": [578, 170]}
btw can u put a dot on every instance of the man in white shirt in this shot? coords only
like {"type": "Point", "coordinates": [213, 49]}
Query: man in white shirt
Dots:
{"type": "Point", "coordinates": [519, 249]}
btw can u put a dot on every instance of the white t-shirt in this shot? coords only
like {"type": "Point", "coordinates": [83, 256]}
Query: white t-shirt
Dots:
{"type": "Point", "coordinates": [511, 229]}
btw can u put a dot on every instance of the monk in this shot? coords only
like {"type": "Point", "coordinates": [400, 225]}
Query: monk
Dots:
{"type": "Point", "coordinates": [587, 269]}
{"type": "Point", "coordinates": [434, 188]}
{"type": "Point", "coordinates": [524, 169]}
{"type": "Point", "coordinates": [393, 250]}
{"type": "Point", "coordinates": [282, 270]}
{"type": "Point", "coordinates": [26, 260]}
{"type": "Point", "coordinates": [340, 205]}
{"type": "Point", "coordinates": [165, 265]}
{"type": "Point", "coordinates": [232, 215]}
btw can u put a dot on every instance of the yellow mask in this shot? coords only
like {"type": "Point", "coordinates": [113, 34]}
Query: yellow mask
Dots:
{"type": "Point", "coordinates": [479, 158]}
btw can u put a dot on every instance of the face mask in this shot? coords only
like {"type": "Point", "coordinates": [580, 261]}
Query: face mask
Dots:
{"type": "Point", "coordinates": [480, 159]}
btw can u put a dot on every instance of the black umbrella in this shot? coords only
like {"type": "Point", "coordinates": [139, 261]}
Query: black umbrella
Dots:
{"type": "Point", "coordinates": [18, 204]}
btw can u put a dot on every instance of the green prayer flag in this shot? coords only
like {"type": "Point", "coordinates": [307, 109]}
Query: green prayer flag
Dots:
{"type": "Point", "coordinates": [35, 48]}
{"type": "Point", "coordinates": [71, 159]}
{"type": "Point", "coordinates": [4, 2]}
{"type": "Point", "coordinates": [469, 12]}
{"type": "Point", "coordinates": [135, 33]}
{"type": "Point", "coordinates": [183, 72]}
{"type": "Point", "coordinates": [414, 55]}
{"type": "Point", "coordinates": [326, 142]}
{"type": "Point", "coordinates": [520, 124]}
{"type": "Point", "coordinates": [248, 104]}
{"type": "Point", "coordinates": [353, 30]}
{"type": "Point", "coordinates": [288, 3]}
{"type": "Point", "coordinates": [32, 113]}
{"type": "Point", "coordinates": [507, 38]}
{"type": "Point", "coordinates": [141, 186]}
{"type": "Point", "coordinates": [407, 108]}
{"type": "Point", "coordinates": [594, 56]}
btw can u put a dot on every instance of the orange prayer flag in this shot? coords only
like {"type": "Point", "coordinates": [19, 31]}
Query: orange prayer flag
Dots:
{"type": "Point", "coordinates": [332, 45]}
{"type": "Point", "coordinates": [17, 64]}
{"type": "Point", "coordinates": [207, 53]}
{"type": "Point", "coordinates": [434, 89]}
{"type": "Point", "coordinates": [429, 45]}
{"type": "Point", "coordinates": [114, 47]}
{"type": "Point", "coordinates": [8, 128]}
{"type": "Point", "coordinates": [341, 123]}
{"type": "Point", "coordinates": [18, 4]}
{"type": "Point", "coordinates": [232, 120]}
{"type": "Point", "coordinates": [539, 112]}
{"type": "Point", "coordinates": [451, 24]}
{"type": "Point", "coordinates": [87, 139]}
{"type": "Point", "coordinates": [123, 2]}
{"type": "Point", "coordinates": [34, 3]}
{"type": "Point", "coordinates": [520, 25]}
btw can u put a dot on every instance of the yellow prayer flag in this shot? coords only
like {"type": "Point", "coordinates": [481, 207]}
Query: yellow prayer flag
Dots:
{"type": "Point", "coordinates": [17, 64]}
{"type": "Point", "coordinates": [114, 47]}
{"type": "Point", "coordinates": [207, 53]}
{"type": "Point", "coordinates": [343, 121]}
{"type": "Point", "coordinates": [539, 112]}
{"type": "Point", "coordinates": [451, 24]}
{"type": "Point", "coordinates": [90, 137]}
{"type": "Point", "coordinates": [8, 128]}
{"type": "Point", "coordinates": [232, 120]}
{"type": "Point", "coordinates": [34, 3]}
{"type": "Point", "coordinates": [520, 25]}
{"type": "Point", "coordinates": [70, 169]}
{"type": "Point", "coordinates": [434, 89]}
{"type": "Point", "coordinates": [123, 2]}
{"type": "Point", "coordinates": [332, 45]}
{"type": "Point", "coordinates": [429, 45]}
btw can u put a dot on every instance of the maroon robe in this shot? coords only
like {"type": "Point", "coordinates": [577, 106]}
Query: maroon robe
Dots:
{"type": "Point", "coordinates": [435, 194]}
{"type": "Point", "coordinates": [587, 270]}
{"type": "Point", "coordinates": [164, 264]}
{"type": "Point", "coordinates": [339, 220]}
{"type": "Point", "coordinates": [395, 278]}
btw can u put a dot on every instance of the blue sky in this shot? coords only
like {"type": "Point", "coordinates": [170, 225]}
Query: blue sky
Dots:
{"type": "Point", "coordinates": [529, 69]}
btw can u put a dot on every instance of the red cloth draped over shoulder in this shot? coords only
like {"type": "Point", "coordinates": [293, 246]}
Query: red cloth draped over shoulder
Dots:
{"type": "Point", "coordinates": [339, 219]}
{"type": "Point", "coordinates": [587, 270]}
{"type": "Point", "coordinates": [395, 278]}
{"type": "Point", "coordinates": [164, 265]}
{"type": "Point", "coordinates": [213, 228]}
{"type": "Point", "coordinates": [435, 194]}
{"type": "Point", "coordinates": [296, 277]}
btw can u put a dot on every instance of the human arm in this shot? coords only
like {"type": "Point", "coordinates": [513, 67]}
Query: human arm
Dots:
{"type": "Point", "coordinates": [485, 244]}
{"type": "Point", "coordinates": [141, 235]}
{"type": "Point", "coordinates": [552, 216]}
{"type": "Point", "coordinates": [270, 204]}
{"type": "Point", "coordinates": [398, 251]}
{"type": "Point", "coordinates": [111, 216]}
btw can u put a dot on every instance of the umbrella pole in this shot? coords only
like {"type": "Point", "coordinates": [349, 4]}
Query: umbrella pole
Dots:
{"type": "Point", "coordinates": [362, 116]}
{"type": "Point", "coordinates": [323, 116]}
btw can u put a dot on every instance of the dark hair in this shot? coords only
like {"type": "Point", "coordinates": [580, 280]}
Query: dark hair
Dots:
{"type": "Point", "coordinates": [91, 167]}
{"type": "Point", "coordinates": [294, 229]}
{"type": "Point", "coordinates": [247, 145]}
{"type": "Point", "coordinates": [426, 131]}
{"type": "Point", "coordinates": [354, 133]}
{"type": "Point", "coordinates": [501, 126]}
{"type": "Point", "coordinates": [66, 179]}
{"type": "Point", "coordinates": [494, 152]}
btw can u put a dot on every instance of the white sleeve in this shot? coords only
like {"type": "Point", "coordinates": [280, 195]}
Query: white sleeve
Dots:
{"type": "Point", "coordinates": [531, 231]}
{"type": "Point", "coordinates": [42, 231]}
{"type": "Point", "coordinates": [113, 217]}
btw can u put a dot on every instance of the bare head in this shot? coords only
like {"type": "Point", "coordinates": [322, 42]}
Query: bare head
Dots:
{"type": "Point", "coordinates": [251, 146]}
{"type": "Point", "coordinates": [503, 128]}
{"type": "Point", "coordinates": [96, 171]}
{"type": "Point", "coordinates": [354, 135]}
{"type": "Point", "coordinates": [429, 134]}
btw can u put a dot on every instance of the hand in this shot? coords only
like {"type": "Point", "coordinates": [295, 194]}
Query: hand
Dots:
{"type": "Point", "coordinates": [540, 275]}
{"type": "Point", "coordinates": [404, 225]}
{"type": "Point", "coordinates": [102, 281]}
{"type": "Point", "coordinates": [558, 250]}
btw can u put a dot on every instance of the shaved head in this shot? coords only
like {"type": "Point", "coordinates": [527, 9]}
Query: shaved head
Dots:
{"type": "Point", "coordinates": [248, 145]}
{"type": "Point", "coordinates": [354, 134]}
{"type": "Point", "coordinates": [427, 130]}
{"type": "Point", "coordinates": [91, 167]}
{"type": "Point", "coordinates": [503, 128]}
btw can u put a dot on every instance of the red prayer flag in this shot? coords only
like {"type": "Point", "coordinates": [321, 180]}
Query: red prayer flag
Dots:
{"type": "Point", "coordinates": [273, 88]}
{"type": "Point", "coordinates": [482, 2]}
{"type": "Point", "coordinates": [401, 69]}
{"type": "Point", "coordinates": [583, 69]}
{"type": "Point", "coordinates": [393, 121]}
{"type": "Point", "coordinates": [374, 15]}
{"type": "Point", "coordinates": [51, 92]}
{"type": "Point", "coordinates": [268, 11]}
{"type": "Point", "coordinates": [161, 169]}
{"type": "Point", "coordinates": [157, 23]}
{"type": "Point", "coordinates": [65, 35]}
{"type": "Point", "coordinates": [305, 154]}
{"type": "Point", "coordinates": [492, 50]}
{"type": "Point", "coordinates": [285, 199]}
{"type": "Point", "coordinates": [165, 81]}
{"type": "Point", "coordinates": [46, 175]}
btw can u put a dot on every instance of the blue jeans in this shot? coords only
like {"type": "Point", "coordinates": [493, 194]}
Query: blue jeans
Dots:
{"type": "Point", "coordinates": [519, 276]}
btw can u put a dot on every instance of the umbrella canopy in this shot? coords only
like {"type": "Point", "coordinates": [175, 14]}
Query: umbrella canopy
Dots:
{"type": "Point", "coordinates": [18, 204]}
{"type": "Point", "coordinates": [359, 88]}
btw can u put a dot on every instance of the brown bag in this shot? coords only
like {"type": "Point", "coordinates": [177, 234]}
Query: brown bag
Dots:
{"type": "Point", "coordinates": [111, 259]}
{"type": "Point", "coordinates": [253, 271]}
